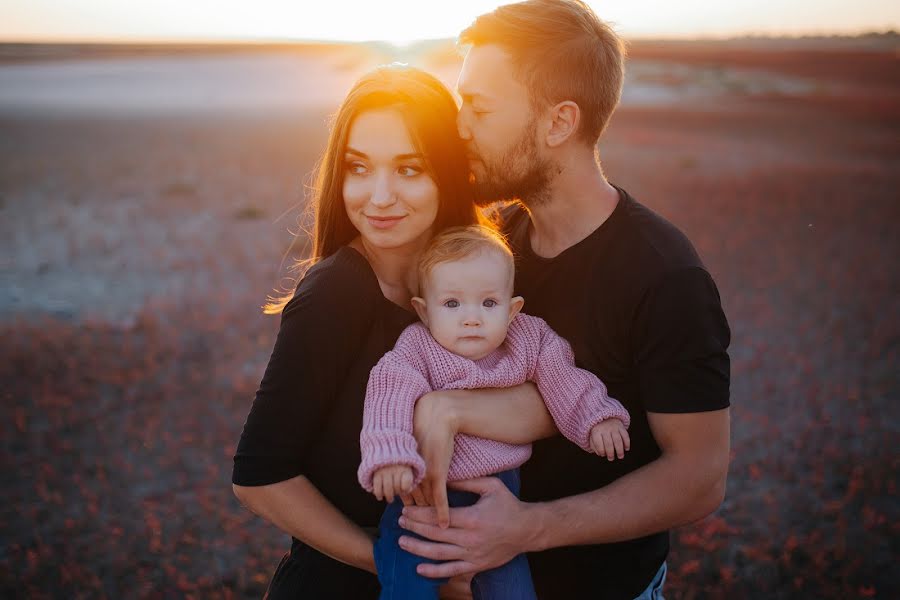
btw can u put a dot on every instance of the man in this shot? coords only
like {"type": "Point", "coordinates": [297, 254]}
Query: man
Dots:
{"type": "Point", "coordinates": [622, 285]}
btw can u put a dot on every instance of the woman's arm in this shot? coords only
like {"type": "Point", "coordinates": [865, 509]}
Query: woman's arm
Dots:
{"type": "Point", "coordinates": [296, 507]}
{"type": "Point", "coordinates": [318, 341]}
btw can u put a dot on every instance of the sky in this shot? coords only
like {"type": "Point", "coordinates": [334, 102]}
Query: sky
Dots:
{"type": "Point", "coordinates": [403, 21]}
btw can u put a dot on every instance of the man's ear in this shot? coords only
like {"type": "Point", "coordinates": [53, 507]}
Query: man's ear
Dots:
{"type": "Point", "coordinates": [515, 305]}
{"type": "Point", "coordinates": [419, 305]}
{"type": "Point", "coordinates": [564, 120]}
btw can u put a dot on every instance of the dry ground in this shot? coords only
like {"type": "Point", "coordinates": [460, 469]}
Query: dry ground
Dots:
{"type": "Point", "coordinates": [136, 252]}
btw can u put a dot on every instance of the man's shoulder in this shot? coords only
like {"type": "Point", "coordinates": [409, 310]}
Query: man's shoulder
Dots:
{"type": "Point", "coordinates": [649, 241]}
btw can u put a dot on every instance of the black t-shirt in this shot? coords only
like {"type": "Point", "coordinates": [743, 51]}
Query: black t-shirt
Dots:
{"type": "Point", "coordinates": [307, 413]}
{"type": "Point", "coordinates": [643, 314]}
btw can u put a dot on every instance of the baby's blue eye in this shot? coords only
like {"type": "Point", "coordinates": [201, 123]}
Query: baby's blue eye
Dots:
{"type": "Point", "coordinates": [489, 303]}
{"type": "Point", "coordinates": [451, 304]}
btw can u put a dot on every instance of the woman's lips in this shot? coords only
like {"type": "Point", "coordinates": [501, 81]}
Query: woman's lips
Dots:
{"type": "Point", "coordinates": [383, 222]}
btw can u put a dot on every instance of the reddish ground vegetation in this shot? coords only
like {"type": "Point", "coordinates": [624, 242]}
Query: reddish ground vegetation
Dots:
{"type": "Point", "coordinates": [119, 423]}
{"type": "Point", "coordinates": [863, 65]}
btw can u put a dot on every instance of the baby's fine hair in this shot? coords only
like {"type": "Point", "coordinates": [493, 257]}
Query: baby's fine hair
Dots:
{"type": "Point", "coordinates": [458, 243]}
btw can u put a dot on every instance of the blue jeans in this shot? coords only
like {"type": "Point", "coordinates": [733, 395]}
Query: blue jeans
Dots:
{"type": "Point", "coordinates": [654, 590]}
{"type": "Point", "coordinates": [397, 567]}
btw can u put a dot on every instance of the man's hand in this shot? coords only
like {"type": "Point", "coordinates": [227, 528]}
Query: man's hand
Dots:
{"type": "Point", "coordinates": [393, 480]}
{"type": "Point", "coordinates": [434, 428]}
{"type": "Point", "coordinates": [609, 438]}
{"type": "Point", "coordinates": [480, 537]}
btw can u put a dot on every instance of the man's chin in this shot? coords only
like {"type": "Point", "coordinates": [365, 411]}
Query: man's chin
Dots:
{"type": "Point", "coordinates": [485, 196]}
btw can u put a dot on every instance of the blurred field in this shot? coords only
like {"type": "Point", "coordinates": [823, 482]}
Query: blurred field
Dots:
{"type": "Point", "coordinates": [147, 198]}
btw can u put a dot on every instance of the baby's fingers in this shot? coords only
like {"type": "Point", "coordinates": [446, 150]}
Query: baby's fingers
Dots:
{"type": "Point", "coordinates": [406, 481]}
{"type": "Point", "coordinates": [609, 446]}
{"type": "Point", "coordinates": [619, 444]}
{"type": "Point", "coordinates": [388, 483]}
{"type": "Point", "coordinates": [376, 486]}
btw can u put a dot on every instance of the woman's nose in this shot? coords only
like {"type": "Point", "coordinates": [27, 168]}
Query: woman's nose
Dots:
{"type": "Point", "coordinates": [383, 192]}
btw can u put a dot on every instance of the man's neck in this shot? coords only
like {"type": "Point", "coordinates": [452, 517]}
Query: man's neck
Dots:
{"type": "Point", "coordinates": [580, 201]}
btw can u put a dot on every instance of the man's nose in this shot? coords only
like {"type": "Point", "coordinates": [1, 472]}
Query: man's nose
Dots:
{"type": "Point", "coordinates": [383, 192]}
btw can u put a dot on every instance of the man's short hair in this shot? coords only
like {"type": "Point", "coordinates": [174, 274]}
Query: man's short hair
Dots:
{"type": "Point", "coordinates": [560, 51]}
{"type": "Point", "coordinates": [460, 243]}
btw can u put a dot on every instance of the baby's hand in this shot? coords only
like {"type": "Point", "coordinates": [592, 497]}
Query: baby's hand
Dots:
{"type": "Point", "coordinates": [609, 438]}
{"type": "Point", "coordinates": [392, 481]}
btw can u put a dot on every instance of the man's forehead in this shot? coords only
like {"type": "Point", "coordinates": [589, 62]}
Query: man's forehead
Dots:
{"type": "Point", "coordinates": [486, 69]}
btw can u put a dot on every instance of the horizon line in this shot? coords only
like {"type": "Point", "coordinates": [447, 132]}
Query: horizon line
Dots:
{"type": "Point", "coordinates": [161, 40]}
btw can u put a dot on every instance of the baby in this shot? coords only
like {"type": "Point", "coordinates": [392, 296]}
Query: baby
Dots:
{"type": "Point", "coordinates": [471, 336]}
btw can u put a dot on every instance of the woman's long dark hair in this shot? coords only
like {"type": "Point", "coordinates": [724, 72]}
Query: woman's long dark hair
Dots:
{"type": "Point", "coordinates": [429, 111]}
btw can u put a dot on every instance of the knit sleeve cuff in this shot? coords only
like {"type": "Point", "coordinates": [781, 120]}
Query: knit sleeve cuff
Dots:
{"type": "Point", "coordinates": [388, 448]}
{"type": "Point", "coordinates": [592, 407]}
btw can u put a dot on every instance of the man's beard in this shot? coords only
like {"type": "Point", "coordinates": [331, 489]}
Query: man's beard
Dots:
{"type": "Point", "coordinates": [519, 174]}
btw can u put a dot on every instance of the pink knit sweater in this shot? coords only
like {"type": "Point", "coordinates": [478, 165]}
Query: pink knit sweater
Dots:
{"type": "Point", "coordinates": [576, 399]}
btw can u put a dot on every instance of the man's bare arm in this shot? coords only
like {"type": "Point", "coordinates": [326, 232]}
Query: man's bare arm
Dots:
{"type": "Point", "coordinates": [686, 483]}
{"type": "Point", "coordinates": [515, 415]}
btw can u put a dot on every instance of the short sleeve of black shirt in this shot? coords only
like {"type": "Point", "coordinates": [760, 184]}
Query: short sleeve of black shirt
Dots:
{"type": "Point", "coordinates": [318, 340]}
{"type": "Point", "coordinates": [681, 340]}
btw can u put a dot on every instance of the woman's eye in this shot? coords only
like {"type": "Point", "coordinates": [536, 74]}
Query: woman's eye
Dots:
{"type": "Point", "coordinates": [409, 171]}
{"type": "Point", "coordinates": [356, 168]}
{"type": "Point", "coordinates": [451, 304]}
{"type": "Point", "coordinates": [489, 303]}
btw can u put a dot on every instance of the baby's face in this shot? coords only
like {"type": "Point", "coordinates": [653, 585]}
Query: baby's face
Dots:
{"type": "Point", "coordinates": [468, 304]}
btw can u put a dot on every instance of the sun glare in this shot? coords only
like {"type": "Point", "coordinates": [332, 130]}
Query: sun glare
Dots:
{"type": "Point", "coordinates": [401, 22]}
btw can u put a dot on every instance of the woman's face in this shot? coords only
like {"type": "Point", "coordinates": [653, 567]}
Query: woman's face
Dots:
{"type": "Point", "coordinates": [389, 196]}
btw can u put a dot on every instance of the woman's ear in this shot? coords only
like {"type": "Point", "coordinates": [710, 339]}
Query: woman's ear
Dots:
{"type": "Point", "coordinates": [515, 305]}
{"type": "Point", "coordinates": [419, 305]}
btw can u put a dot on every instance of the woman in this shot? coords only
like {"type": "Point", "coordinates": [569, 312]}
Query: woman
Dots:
{"type": "Point", "coordinates": [394, 172]}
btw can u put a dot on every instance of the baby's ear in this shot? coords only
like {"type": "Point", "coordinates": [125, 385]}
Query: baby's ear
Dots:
{"type": "Point", "coordinates": [419, 305]}
{"type": "Point", "coordinates": [515, 305]}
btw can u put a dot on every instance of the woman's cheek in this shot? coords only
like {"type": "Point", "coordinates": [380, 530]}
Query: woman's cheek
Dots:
{"type": "Point", "coordinates": [352, 193]}
{"type": "Point", "coordinates": [424, 190]}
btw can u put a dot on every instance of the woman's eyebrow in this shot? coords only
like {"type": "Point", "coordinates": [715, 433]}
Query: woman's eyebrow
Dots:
{"type": "Point", "coordinates": [408, 156]}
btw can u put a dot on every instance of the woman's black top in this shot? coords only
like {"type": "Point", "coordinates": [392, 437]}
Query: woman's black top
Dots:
{"type": "Point", "coordinates": [307, 414]}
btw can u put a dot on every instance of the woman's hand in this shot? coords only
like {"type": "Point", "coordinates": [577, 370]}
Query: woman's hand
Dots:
{"type": "Point", "coordinates": [435, 427]}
